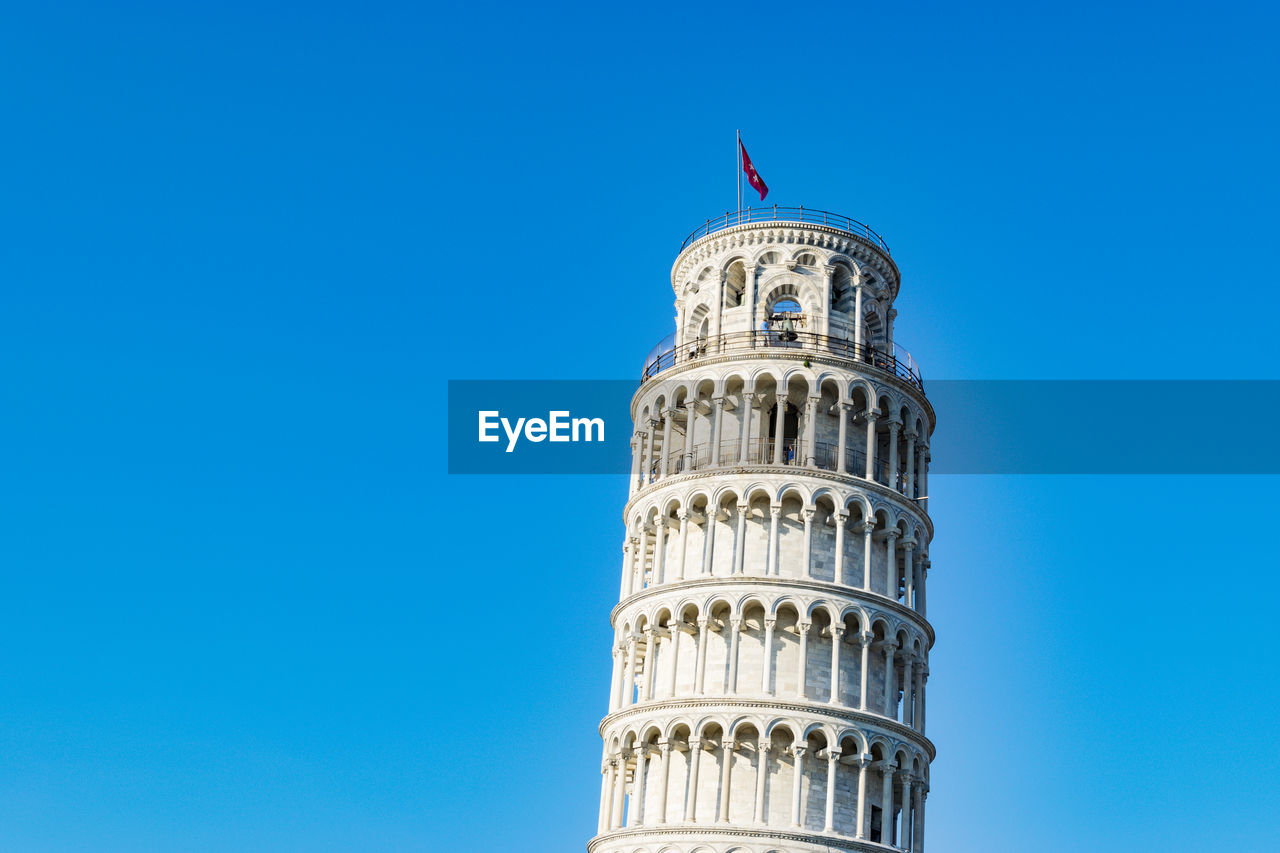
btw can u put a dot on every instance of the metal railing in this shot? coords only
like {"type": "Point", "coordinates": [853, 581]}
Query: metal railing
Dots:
{"type": "Point", "coordinates": [899, 363]}
{"type": "Point", "coordinates": [786, 214]}
{"type": "Point", "coordinates": [760, 451]}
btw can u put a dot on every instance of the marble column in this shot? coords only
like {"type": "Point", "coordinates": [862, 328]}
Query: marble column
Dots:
{"type": "Point", "coordinates": [772, 569]}
{"type": "Point", "coordinates": [650, 654]}
{"type": "Point", "coordinates": [744, 449]}
{"type": "Point", "coordinates": [808, 514]}
{"type": "Point", "coordinates": [642, 554]}
{"type": "Point", "coordinates": [659, 549]}
{"type": "Point", "coordinates": [700, 676]}
{"type": "Point", "coordinates": [779, 428]}
{"type": "Point", "coordinates": [619, 791]}
{"type": "Point", "coordinates": [766, 686]}
{"type": "Point", "coordinates": [649, 465]}
{"type": "Point", "coordinates": [797, 786]}
{"type": "Point", "coordinates": [741, 545]}
{"type": "Point", "coordinates": [802, 629]}
{"type": "Point", "coordinates": [811, 432]}
{"type": "Point", "coordinates": [857, 319]}
{"type": "Point", "coordinates": [668, 420]}
{"type": "Point", "coordinates": [890, 697]}
{"type": "Point", "coordinates": [894, 426]}
{"type": "Point", "coordinates": [717, 422]}
{"type": "Point", "coordinates": [690, 434]}
{"type": "Point", "coordinates": [837, 631]}
{"type": "Point", "coordinates": [726, 769]}
{"type": "Point", "coordinates": [909, 571]}
{"type": "Point", "coordinates": [683, 515]}
{"type": "Point", "coordinates": [833, 758]}
{"type": "Point", "coordinates": [626, 569]}
{"type": "Point", "coordinates": [735, 630]}
{"type": "Point", "coordinates": [675, 630]}
{"type": "Point", "coordinates": [911, 466]}
{"type": "Point", "coordinates": [842, 466]}
{"type": "Point", "coordinates": [891, 563]}
{"type": "Point", "coordinates": [868, 530]}
{"type": "Point", "coordinates": [871, 443]}
{"type": "Point", "coordinates": [635, 816]}
{"type": "Point", "coordinates": [691, 796]}
{"type": "Point", "coordinates": [904, 817]}
{"type": "Point", "coordinates": [762, 774]}
{"type": "Point", "coordinates": [866, 638]}
{"type": "Point", "coordinates": [886, 803]}
{"type": "Point", "coordinates": [864, 761]}
{"type": "Point", "coordinates": [629, 682]}
{"type": "Point", "coordinates": [664, 773]}
{"type": "Point", "coordinates": [840, 517]}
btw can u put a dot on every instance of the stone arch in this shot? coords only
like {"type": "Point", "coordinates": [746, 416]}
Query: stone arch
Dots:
{"type": "Point", "coordinates": [822, 605]}
{"type": "Point", "coordinates": [734, 270]}
{"type": "Point", "coordinates": [783, 286]}
{"type": "Point", "coordinates": [857, 610]}
{"type": "Point", "coordinates": [704, 726]}
{"type": "Point", "coordinates": [864, 390]}
{"type": "Point", "coordinates": [791, 489]}
{"type": "Point", "coordinates": [857, 735]}
{"type": "Point", "coordinates": [768, 254]}
{"type": "Point", "coordinates": [766, 371]}
{"type": "Point", "coordinates": [860, 502]}
{"type": "Point", "coordinates": [828, 492]}
{"type": "Point", "coordinates": [744, 721]}
{"type": "Point", "coordinates": [747, 599]}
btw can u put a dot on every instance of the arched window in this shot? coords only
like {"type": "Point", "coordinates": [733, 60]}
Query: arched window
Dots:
{"type": "Point", "coordinates": [842, 290]}
{"type": "Point", "coordinates": [735, 284]}
{"type": "Point", "coordinates": [784, 315]}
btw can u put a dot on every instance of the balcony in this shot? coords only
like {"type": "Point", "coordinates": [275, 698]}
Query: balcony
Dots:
{"type": "Point", "coordinates": [667, 355]}
{"type": "Point", "coordinates": [753, 215]}
{"type": "Point", "coordinates": [761, 451]}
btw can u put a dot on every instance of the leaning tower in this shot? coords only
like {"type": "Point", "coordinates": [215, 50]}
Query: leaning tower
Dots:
{"type": "Point", "coordinates": [770, 647]}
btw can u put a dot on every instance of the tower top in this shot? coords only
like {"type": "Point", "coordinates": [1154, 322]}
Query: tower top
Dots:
{"type": "Point", "coordinates": [839, 239]}
{"type": "Point", "coordinates": [774, 213]}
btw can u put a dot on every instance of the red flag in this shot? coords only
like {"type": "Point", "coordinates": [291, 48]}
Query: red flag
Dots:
{"type": "Point", "coordinates": [753, 177]}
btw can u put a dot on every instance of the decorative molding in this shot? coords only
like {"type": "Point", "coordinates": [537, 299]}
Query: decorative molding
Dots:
{"type": "Point", "coordinates": [874, 603]}
{"type": "Point", "coordinates": [871, 725]}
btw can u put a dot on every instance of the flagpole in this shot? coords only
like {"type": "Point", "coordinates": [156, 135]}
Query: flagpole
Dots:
{"type": "Point", "coordinates": [738, 172]}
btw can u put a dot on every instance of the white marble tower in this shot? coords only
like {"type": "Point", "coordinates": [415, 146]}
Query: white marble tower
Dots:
{"type": "Point", "coordinates": [771, 648]}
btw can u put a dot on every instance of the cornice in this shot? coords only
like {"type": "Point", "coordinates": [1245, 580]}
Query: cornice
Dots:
{"type": "Point", "coordinates": [870, 487]}
{"type": "Point", "coordinates": [815, 356]}
{"type": "Point", "coordinates": [702, 832]}
{"type": "Point", "coordinates": [850, 718]}
{"type": "Point", "coordinates": [855, 594]}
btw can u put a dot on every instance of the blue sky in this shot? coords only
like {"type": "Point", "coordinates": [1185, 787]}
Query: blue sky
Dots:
{"type": "Point", "coordinates": [245, 245]}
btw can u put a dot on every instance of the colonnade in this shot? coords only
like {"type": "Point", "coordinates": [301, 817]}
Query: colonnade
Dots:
{"type": "Point", "coordinates": [647, 561]}
{"type": "Point", "coordinates": [899, 663]}
{"type": "Point", "coordinates": [802, 785]}
{"type": "Point", "coordinates": [902, 463]}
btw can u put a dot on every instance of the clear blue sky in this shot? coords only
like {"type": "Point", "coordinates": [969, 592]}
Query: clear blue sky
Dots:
{"type": "Point", "coordinates": [244, 245]}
